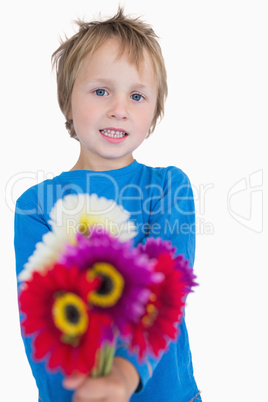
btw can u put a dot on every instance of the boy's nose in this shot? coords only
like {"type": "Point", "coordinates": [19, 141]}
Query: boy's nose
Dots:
{"type": "Point", "coordinates": [118, 109]}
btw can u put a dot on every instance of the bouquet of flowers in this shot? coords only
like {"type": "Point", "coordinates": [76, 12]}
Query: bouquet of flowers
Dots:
{"type": "Point", "coordinates": [86, 285]}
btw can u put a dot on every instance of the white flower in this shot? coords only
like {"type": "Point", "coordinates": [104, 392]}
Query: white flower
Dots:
{"type": "Point", "coordinates": [45, 254]}
{"type": "Point", "coordinates": [77, 213]}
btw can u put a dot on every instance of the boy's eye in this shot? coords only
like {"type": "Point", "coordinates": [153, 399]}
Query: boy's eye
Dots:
{"type": "Point", "coordinates": [100, 92]}
{"type": "Point", "coordinates": [137, 97]}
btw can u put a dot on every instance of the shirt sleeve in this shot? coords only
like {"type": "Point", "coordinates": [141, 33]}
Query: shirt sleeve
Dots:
{"type": "Point", "coordinates": [29, 228]}
{"type": "Point", "coordinates": [173, 214]}
{"type": "Point", "coordinates": [172, 217]}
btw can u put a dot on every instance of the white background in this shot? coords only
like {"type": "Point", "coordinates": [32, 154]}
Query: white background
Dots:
{"type": "Point", "coordinates": [214, 129]}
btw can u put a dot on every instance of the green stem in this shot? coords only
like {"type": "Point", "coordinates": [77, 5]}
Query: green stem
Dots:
{"type": "Point", "coordinates": [109, 356]}
{"type": "Point", "coordinates": [104, 361]}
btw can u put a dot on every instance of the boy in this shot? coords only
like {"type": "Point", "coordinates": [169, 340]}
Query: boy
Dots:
{"type": "Point", "coordinates": [111, 88]}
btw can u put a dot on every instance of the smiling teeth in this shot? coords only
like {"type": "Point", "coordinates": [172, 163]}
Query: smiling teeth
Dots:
{"type": "Point", "coordinates": [113, 133]}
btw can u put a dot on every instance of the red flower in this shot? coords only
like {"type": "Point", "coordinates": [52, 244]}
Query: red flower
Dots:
{"type": "Point", "coordinates": [66, 333]}
{"type": "Point", "coordinates": [164, 311]}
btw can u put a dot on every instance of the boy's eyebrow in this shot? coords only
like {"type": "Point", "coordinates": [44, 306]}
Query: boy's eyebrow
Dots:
{"type": "Point", "coordinates": [110, 82]}
{"type": "Point", "coordinates": [102, 80]}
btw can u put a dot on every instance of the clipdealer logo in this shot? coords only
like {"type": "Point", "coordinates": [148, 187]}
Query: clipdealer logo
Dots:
{"type": "Point", "coordinates": [245, 201]}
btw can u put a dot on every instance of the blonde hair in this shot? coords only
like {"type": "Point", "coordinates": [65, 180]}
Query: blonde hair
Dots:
{"type": "Point", "coordinates": [134, 34]}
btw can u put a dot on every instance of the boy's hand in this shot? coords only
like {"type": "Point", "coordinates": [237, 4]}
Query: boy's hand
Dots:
{"type": "Point", "coordinates": [118, 386]}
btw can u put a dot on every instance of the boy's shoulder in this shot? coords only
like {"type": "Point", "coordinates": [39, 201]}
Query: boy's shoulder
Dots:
{"type": "Point", "coordinates": [32, 193]}
{"type": "Point", "coordinates": [165, 173]}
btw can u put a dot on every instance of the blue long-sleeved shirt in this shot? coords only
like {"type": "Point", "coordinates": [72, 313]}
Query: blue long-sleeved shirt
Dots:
{"type": "Point", "coordinates": [160, 201]}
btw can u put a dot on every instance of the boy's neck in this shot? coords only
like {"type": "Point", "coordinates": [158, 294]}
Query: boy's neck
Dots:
{"type": "Point", "coordinates": [102, 164]}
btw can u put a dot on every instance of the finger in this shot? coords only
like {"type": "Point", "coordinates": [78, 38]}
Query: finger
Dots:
{"type": "Point", "coordinates": [95, 388]}
{"type": "Point", "coordinates": [87, 399]}
{"type": "Point", "coordinates": [74, 381]}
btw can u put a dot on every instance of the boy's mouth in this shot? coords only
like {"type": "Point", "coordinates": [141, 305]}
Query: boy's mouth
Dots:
{"type": "Point", "coordinates": [113, 133]}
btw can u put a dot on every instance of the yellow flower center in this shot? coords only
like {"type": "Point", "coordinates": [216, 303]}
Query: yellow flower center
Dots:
{"type": "Point", "coordinates": [87, 221]}
{"type": "Point", "coordinates": [70, 316]}
{"type": "Point", "coordinates": [111, 287]}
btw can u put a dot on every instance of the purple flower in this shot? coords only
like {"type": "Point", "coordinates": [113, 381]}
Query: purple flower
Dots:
{"type": "Point", "coordinates": [154, 247]}
{"type": "Point", "coordinates": [125, 275]}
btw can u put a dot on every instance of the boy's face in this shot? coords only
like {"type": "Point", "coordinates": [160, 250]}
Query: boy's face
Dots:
{"type": "Point", "coordinates": [112, 107]}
